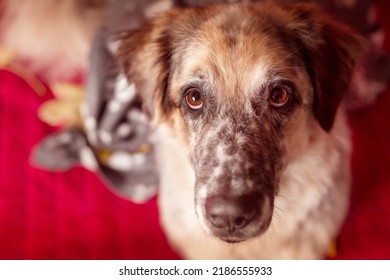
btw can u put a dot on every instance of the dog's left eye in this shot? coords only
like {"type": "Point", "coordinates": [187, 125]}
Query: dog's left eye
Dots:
{"type": "Point", "coordinates": [279, 97]}
{"type": "Point", "coordinates": [194, 99]}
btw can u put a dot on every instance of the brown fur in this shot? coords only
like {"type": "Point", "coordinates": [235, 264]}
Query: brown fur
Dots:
{"type": "Point", "coordinates": [328, 49]}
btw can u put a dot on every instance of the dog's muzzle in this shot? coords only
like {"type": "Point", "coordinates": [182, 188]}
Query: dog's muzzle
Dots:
{"type": "Point", "coordinates": [234, 199]}
{"type": "Point", "coordinates": [235, 179]}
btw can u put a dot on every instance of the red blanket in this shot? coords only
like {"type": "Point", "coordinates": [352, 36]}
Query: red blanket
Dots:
{"type": "Point", "coordinates": [73, 215]}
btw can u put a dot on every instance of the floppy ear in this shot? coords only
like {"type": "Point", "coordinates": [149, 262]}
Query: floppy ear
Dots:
{"type": "Point", "coordinates": [144, 56]}
{"type": "Point", "coordinates": [330, 51]}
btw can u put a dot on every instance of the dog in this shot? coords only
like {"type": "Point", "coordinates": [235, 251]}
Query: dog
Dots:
{"type": "Point", "coordinates": [252, 140]}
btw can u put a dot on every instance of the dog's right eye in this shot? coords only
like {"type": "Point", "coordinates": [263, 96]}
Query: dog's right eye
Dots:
{"type": "Point", "coordinates": [279, 97]}
{"type": "Point", "coordinates": [194, 99]}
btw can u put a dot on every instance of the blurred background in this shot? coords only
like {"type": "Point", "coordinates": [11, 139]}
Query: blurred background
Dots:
{"type": "Point", "coordinates": [74, 215]}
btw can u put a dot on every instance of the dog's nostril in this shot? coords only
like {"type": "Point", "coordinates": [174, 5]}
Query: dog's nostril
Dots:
{"type": "Point", "coordinates": [240, 222]}
{"type": "Point", "coordinates": [231, 213]}
{"type": "Point", "coordinates": [224, 221]}
{"type": "Point", "coordinates": [219, 221]}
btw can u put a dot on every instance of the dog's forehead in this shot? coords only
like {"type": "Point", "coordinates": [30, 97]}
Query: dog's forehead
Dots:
{"type": "Point", "coordinates": [235, 52]}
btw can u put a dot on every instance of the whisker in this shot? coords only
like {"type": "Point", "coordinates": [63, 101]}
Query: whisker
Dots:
{"type": "Point", "coordinates": [279, 209]}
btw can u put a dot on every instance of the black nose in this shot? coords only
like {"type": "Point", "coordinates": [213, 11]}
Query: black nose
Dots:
{"type": "Point", "coordinates": [231, 213]}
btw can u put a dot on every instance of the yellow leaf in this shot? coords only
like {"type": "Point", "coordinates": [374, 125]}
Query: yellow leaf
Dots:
{"type": "Point", "coordinates": [65, 109]}
{"type": "Point", "coordinates": [68, 92]}
{"type": "Point", "coordinates": [57, 113]}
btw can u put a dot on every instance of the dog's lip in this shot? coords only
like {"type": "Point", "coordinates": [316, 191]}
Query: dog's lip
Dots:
{"type": "Point", "coordinates": [240, 236]}
{"type": "Point", "coordinates": [235, 239]}
{"type": "Point", "coordinates": [232, 240]}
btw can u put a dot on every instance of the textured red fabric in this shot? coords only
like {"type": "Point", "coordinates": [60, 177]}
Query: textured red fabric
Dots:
{"type": "Point", "coordinates": [366, 232]}
{"type": "Point", "coordinates": [72, 215]}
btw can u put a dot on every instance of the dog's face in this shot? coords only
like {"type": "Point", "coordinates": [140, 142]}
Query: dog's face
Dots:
{"type": "Point", "coordinates": [240, 86]}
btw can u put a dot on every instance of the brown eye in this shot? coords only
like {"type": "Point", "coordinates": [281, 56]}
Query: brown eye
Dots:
{"type": "Point", "coordinates": [279, 97]}
{"type": "Point", "coordinates": [194, 99]}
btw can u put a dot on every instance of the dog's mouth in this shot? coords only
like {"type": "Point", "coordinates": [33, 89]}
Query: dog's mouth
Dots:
{"type": "Point", "coordinates": [235, 219]}
{"type": "Point", "coordinates": [232, 240]}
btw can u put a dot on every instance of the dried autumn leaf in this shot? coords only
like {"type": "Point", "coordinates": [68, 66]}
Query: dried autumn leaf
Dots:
{"type": "Point", "coordinates": [57, 113]}
{"type": "Point", "coordinates": [65, 109]}
{"type": "Point", "coordinates": [68, 92]}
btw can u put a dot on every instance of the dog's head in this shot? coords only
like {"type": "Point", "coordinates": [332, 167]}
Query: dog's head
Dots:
{"type": "Point", "coordinates": [240, 85]}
